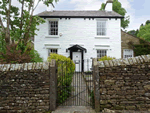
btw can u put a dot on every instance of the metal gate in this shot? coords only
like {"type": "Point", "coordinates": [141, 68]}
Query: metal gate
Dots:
{"type": "Point", "coordinates": [75, 89]}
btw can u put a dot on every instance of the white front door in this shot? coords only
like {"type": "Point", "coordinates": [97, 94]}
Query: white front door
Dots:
{"type": "Point", "coordinates": [77, 61]}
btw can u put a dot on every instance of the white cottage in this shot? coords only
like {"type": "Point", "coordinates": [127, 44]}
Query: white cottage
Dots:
{"type": "Point", "coordinates": [80, 35]}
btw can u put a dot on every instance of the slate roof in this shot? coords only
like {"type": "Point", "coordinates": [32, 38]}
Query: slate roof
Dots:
{"type": "Point", "coordinates": [82, 14]}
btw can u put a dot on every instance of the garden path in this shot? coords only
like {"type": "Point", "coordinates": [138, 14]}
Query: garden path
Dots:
{"type": "Point", "coordinates": [79, 102]}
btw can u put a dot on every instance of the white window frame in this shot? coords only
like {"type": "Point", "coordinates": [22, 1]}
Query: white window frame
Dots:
{"type": "Point", "coordinates": [50, 51]}
{"type": "Point", "coordinates": [100, 33]}
{"type": "Point", "coordinates": [49, 27]}
{"type": "Point", "coordinates": [102, 52]}
{"type": "Point", "coordinates": [124, 53]}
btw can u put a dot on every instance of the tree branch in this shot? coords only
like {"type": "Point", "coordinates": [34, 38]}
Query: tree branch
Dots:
{"type": "Point", "coordinates": [21, 24]}
{"type": "Point", "coordinates": [7, 34]}
{"type": "Point", "coordinates": [36, 5]}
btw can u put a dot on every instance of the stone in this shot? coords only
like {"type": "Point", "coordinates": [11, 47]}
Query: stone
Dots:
{"type": "Point", "coordinates": [108, 111]}
{"type": "Point", "coordinates": [109, 82]}
{"type": "Point", "coordinates": [117, 107]}
{"type": "Point", "coordinates": [103, 102]}
{"type": "Point", "coordinates": [130, 107]}
{"type": "Point", "coordinates": [147, 94]}
{"type": "Point", "coordinates": [147, 87]}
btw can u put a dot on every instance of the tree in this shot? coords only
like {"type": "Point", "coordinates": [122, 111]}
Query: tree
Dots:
{"type": "Point", "coordinates": [144, 32]}
{"type": "Point", "coordinates": [137, 31]}
{"type": "Point", "coordinates": [117, 7]}
{"type": "Point", "coordinates": [132, 32]}
{"type": "Point", "coordinates": [147, 22]}
{"type": "Point", "coordinates": [20, 27]}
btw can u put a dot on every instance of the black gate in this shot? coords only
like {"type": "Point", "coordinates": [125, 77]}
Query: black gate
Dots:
{"type": "Point", "coordinates": [76, 88]}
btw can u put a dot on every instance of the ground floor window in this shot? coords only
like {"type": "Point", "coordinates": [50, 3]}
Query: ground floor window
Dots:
{"type": "Point", "coordinates": [101, 53]}
{"type": "Point", "coordinates": [127, 53]}
{"type": "Point", "coordinates": [52, 51]}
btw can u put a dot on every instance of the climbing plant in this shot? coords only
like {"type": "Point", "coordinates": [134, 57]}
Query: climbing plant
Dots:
{"type": "Point", "coordinates": [141, 49]}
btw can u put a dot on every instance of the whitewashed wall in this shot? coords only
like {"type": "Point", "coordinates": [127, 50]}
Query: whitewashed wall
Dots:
{"type": "Point", "coordinates": [82, 32]}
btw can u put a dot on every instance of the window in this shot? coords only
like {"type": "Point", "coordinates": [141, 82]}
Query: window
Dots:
{"type": "Point", "coordinates": [52, 51]}
{"type": "Point", "coordinates": [53, 27]}
{"type": "Point", "coordinates": [101, 53]}
{"type": "Point", "coordinates": [128, 53]}
{"type": "Point", "coordinates": [101, 28]}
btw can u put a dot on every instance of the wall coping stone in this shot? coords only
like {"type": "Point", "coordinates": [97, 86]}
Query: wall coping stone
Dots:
{"type": "Point", "coordinates": [26, 66]}
{"type": "Point", "coordinates": [125, 61]}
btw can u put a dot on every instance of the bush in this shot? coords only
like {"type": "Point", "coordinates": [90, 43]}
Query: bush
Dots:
{"type": "Point", "coordinates": [35, 56]}
{"type": "Point", "coordinates": [13, 54]}
{"type": "Point", "coordinates": [106, 58]}
{"type": "Point", "coordinates": [66, 69]}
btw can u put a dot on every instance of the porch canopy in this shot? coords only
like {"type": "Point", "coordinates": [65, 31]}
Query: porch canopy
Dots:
{"type": "Point", "coordinates": [76, 48]}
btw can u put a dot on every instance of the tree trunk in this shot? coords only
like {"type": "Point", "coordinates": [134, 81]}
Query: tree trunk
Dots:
{"type": "Point", "coordinates": [7, 34]}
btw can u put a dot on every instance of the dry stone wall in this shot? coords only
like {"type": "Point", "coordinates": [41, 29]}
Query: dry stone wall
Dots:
{"type": "Point", "coordinates": [125, 84]}
{"type": "Point", "coordinates": [24, 88]}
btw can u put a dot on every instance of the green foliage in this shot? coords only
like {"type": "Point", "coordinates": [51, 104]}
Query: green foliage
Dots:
{"type": "Point", "coordinates": [106, 58]}
{"type": "Point", "coordinates": [137, 31]}
{"type": "Point", "coordinates": [66, 69]}
{"type": "Point", "coordinates": [147, 22]}
{"type": "Point", "coordinates": [18, 53]}
{"type": "Point", "coordinates": [13, 54]}
{"type": "Point", "coordinates": [141, 49]}
{"type": "Point", "coordinates": [132, 32]}
{"type": "Point", "coordinates": [20, 27]}
{"type": "Point", "coordinates": [117, 7]}
{"type": "Point", "coordinates": [144, 32]}
{"type": "Point", "coordinates": [35, 56]}
{"type": "Point", "coordinates": [93, 99]}
{"type": "Point", "coordinates": [2, 43]}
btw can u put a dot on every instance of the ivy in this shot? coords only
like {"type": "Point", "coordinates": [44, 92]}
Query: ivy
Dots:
{"type": "Point", "coordinates": [142, 49]}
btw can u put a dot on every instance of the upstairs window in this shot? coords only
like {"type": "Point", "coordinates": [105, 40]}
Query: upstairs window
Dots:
{"type": "Point", "coordinates": [53, 27]}
{"type": "Point", "coordinates": [101, 28]}
{"type": "Point", "coordinates": [52, 51]}
{"type": "Point", "coordinates": [101, 53]}
{"type": "Point", "coordinates": [127, 53]}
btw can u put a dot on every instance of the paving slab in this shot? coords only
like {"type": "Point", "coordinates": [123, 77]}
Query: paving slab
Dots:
{"type": "Point", "coordinates": [74, 109]}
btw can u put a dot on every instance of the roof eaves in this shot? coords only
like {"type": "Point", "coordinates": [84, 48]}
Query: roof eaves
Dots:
{"type": "Point", "coordinates": [42, 16]}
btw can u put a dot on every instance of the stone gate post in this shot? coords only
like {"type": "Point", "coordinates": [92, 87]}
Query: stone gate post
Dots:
{"type": "Point", "coordinates": [53, 85]}
{"type": "Point", "coordinates": [96, 83]}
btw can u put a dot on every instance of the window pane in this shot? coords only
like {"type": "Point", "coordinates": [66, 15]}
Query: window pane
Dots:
{"type": "Point", "coordinates": [101, 27]}
{"type": "Point", "coordinates": [52, 51]}
{"type": "Point", "coordinates": [101, 53]}
{"type": "Point", "coordinates": [53, 30]}
{"type": "Point", "coordinates": [128, 53]}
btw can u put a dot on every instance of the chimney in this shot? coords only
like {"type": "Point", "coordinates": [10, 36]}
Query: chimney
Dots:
{"type": "Point", "coordinates": [109, 5]}
{"type": "Point", "coordinates": [51, 7]}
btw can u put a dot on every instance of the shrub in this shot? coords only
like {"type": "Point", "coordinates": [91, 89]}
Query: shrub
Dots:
{"type": "Point", "coordinates": [35, 56]}
{"type": "Point", "coordinates": [66, 69]}
{"type": "Point", "coordinates": [106, 58]}
{"type": "Point", "coordinates": [13, 54]}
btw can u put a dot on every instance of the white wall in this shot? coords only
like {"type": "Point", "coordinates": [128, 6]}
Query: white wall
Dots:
{"type": "Point", "coordinates": [80, 31]}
